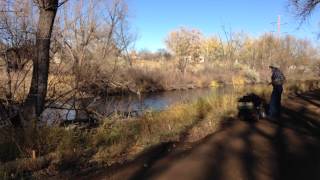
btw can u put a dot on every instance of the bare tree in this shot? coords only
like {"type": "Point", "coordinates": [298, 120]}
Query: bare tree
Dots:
{"type": "Point", "coordinates": [94, 37]}
{"type": "Point", "coordinates": [17, 34]}
{"type": "Point", "coordinates": [303, 8]}
{"type": "Point", "coordinates": [98, 30]}
{"type": "Point", "coordinates": [100, 26]}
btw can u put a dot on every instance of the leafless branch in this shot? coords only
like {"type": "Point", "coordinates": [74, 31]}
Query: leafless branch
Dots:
{"type": "Point", "coordinates": [304, 8]}
{"type": "Point", "coordinates": [62, 3]}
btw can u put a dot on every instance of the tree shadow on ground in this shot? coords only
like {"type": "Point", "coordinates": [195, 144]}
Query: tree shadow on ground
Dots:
{"type": "Point", "coordinates": [284, 148]}
{"type": "Point", "coordinates": [312, 97]}
{"type": "Point", "coordinates": [144, 163]}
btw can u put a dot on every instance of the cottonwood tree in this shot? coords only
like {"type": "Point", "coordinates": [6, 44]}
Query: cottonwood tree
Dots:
{"type": "Point", "coordinates": [211, 48]}
{"type": "Point", "coordinates": [185, 44]}
{"type": "Point", "coordinates": [34, 104]}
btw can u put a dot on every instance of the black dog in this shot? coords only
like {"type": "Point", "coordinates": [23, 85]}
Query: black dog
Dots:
{"type": "Point", "coordinates": [251, 107]}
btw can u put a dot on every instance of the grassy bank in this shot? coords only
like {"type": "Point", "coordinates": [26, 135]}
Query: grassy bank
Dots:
{"type": "Point", "coordinates": [117, 139]}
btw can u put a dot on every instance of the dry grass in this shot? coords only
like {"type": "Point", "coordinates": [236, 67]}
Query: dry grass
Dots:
{"type": "Point", "coordinates": [117, 139]}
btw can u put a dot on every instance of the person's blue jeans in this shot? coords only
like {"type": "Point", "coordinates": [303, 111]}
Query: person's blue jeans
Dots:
{"type": "Point", "coordinates": [275, 101]}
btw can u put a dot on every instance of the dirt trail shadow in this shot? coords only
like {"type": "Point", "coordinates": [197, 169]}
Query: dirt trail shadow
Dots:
{"type": "Point", "coordinates": [286, 148]}
{"type": "Point", "coordinates": [179, 149]}
{"type": "Point", "coordinates": [141, 166]}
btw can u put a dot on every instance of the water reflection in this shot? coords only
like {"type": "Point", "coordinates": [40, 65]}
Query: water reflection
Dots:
{"type": "Point", "coordinates": [154, 101]}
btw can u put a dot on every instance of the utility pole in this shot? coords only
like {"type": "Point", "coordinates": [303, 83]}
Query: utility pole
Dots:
{"type": "Point", "coordinates": [279, 26]}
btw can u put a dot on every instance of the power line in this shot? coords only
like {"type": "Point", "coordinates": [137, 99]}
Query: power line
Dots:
{"type": "Point", "coordinates": [278, 23]}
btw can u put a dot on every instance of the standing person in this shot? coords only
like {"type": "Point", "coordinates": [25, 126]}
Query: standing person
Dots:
{"type": "Point", "coordinates": [277, 80]}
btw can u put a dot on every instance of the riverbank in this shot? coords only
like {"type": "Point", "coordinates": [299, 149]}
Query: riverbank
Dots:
{"type": "Point", "coordinates": [286, 148]}
{"type": "Point", "coordinates": [113, 141]}
{"type": "Point", "coordinates": [157, 76]}
{"type": "Point", "coordinates": [117, 140]}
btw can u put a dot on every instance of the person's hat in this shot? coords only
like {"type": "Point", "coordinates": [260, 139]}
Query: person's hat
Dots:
{"type": "Point", "coordinates": [273, 66]}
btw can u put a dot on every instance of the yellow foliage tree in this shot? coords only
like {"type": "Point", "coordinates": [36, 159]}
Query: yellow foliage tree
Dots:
{"type": "Point", "coordinates": [211, 48]}
{"type": "Point", "coordinates": [185, 44]}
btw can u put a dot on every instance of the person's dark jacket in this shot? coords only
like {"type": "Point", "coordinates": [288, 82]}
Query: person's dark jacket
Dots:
{"type": "Point", "coordinates": [277, 77]}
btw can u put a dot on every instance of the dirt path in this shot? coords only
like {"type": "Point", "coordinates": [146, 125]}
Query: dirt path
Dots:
{"type": "Point", "coordinates": [288, 148]}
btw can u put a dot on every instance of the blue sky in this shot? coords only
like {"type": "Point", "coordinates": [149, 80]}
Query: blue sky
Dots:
{"type": "Point", "coordinates": [154, 19]}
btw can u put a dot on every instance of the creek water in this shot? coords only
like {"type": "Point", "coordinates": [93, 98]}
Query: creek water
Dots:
{"type": "Point", "coordinates": [154, 101]}
{"type": "Point", "coordinates": [136, 105]}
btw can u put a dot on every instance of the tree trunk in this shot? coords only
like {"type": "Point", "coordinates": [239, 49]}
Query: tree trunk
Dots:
{"type": "Point", "coordinates": [35, 101]}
